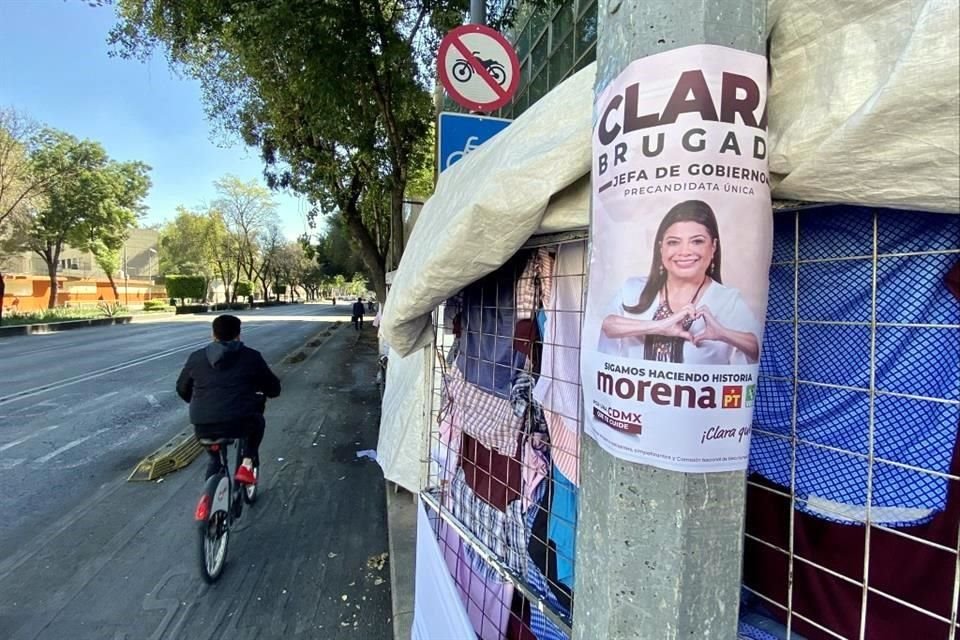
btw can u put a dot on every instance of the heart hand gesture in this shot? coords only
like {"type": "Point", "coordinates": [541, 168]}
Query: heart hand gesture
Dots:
{"type": "Point", "coordinates": [678, 325]}
{"type": "Point", "coordinates": [713, 330]}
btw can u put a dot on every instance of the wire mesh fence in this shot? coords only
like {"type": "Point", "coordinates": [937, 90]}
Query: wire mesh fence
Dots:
{"type": "Point", "coordinates": [853, 515]}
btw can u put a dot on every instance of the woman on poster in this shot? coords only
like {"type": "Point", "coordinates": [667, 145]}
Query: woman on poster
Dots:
{"type": "Point", "coordinates": [682, 312]}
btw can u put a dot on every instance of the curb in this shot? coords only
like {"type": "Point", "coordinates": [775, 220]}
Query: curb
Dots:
{"type": "Point", "coordinates": [152, 317]}
{"type": "Point", "coordinates": [53, 327]}
{"type": "Point", "coordinates": [402, 543]}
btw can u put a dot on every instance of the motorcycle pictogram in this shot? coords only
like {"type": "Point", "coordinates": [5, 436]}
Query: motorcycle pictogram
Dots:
{"type": "Point", "coordinates": [462, 71]}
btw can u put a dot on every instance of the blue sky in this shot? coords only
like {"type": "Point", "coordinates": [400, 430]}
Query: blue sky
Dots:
{"type": "Point", "coordinates": [54, 67]}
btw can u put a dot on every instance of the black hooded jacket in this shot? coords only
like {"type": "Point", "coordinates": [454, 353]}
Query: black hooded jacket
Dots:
{"type": "Point", "coordinates": [221, 383]}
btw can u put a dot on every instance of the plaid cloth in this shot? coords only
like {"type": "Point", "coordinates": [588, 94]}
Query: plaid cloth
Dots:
{"type": "Point", "coordinates": [504, 533]}
{"type": "Point", "coordinates": [484, 416]}
{"type": "Point", "coordinates": [540, 624]}
{"type": "Point", "coordinates": [521, 398]}
{"type": "Point", "coordinates": [538, 271]}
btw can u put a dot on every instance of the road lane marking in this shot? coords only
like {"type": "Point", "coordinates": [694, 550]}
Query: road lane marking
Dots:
{"type": "Point", "coordinates": [6, 465]}
{"type": "Point", "coordinates": [11, 445]}
{"type": "Point", "coordinates": [70, 445]}
{"type": "Point", "coordinates": [99, 373]}
{"type": "Point", "coordinates": [84, 377]}
{"type": "Point", "coordinates": [152, 399]}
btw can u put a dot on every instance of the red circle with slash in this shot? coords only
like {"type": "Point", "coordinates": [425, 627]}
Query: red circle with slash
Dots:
{"type": "Point", "coordinates": [478, 67]}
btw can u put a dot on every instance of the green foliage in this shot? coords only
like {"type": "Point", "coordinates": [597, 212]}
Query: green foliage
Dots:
{"type": "Point", "coordinates": [57, 314]}
{"type": "Point", "coordinates": [280, 289]}
{"type": "Point", "coordinates": [357, 285]}
{"type": "Point", "coordinates": [422, 170]}
{"type": "Point", "coordinates": [243, 289]}
{"type": "Point", "coordinates": [186, 287]}
{"type": "Point", "coordinates": [107, 258]}
{"type": "Point", "coordinates": [189, 243]}
{"type": "Point", "coordinates": [156, 305]}
{"type": "Point", "coordinates": [334, 250]}
{"type": "Point", "coordinates": [111, 309]}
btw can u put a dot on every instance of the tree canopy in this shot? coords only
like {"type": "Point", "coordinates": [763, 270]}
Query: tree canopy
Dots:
{"type": "Point", "coordinates": [333, 93]}
{"type": "Point", "coordinates": [88, 201]}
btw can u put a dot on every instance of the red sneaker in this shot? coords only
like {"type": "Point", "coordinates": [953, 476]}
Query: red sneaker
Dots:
{"type": "Point", "coordinates": [245, 475]}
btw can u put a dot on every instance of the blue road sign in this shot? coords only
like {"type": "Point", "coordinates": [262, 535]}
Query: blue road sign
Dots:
{"type": "Point", "coordinates": [458, 134]}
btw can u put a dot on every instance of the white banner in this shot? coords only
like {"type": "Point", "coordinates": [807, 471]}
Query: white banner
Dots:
{"type": "Point", "coordinates": [681, 238]}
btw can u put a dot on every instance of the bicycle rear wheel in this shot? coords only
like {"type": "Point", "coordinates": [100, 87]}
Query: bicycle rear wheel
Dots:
{"type": "Point", "coordinates": [214, 538]}
{"type": "Point", "coordinates": [214, 528]}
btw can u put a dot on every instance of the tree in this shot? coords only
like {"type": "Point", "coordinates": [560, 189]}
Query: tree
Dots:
{"type": "Point", "coordinates": [270, 243]}
{"type": "Point", "coordinates": [423, 167]}
{"type": "Point", "coordinates": [94, 202]}
{"type": "Point", "coordinates": [29, 167]}
{"type": "Point", "coordinates": [332, 93]}
{"type": "Point", "coordinates": [249, 214]}
{"type": "Point", "coordinates": [108, 259]}
{"type": "Point", "coordinates": [243, 289]}
{"type": "Point", "coordinates": [290, 267]}
{"type": "Point", "coordinates": [185, 245]}
{"type": "Point", "coordinates": [108, 226]}
{"type": "Point", "coordinates": [184, 287]}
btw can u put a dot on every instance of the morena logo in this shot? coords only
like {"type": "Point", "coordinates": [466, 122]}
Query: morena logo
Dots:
{"type": "Point", "coordinates": [666, 395]}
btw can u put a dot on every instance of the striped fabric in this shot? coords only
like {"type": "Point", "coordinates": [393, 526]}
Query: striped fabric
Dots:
{"type": "Point", "coordinates": [564, 445]}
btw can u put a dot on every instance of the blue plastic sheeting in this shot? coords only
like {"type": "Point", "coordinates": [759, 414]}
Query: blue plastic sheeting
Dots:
{"type": "Point", "coordinates": [835, 277]}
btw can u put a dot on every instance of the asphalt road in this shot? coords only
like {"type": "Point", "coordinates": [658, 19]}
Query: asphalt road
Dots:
{"type": "Point", "coordinates": [84, 554]}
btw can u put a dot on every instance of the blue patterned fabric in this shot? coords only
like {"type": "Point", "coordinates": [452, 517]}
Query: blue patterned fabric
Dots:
{"type": "Point", "coordinates": [915, 361]}
{"type": "Point", "coordinates": [747, 631]}
{"type": "Point", "coordinates": [540, 624]}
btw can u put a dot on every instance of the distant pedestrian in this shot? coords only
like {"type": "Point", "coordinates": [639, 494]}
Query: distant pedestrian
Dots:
{"type": "Point", "coordinates": [358, 314]}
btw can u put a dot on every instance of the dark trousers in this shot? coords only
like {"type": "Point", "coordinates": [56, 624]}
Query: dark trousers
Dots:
{"type": "Point", "coordinates": [251, 429]}
{"type": "Point", "coordinates": [357, 322]}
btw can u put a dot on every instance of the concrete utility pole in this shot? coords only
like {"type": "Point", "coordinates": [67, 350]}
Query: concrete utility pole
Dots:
{"type": "Point", "coordinates": [659, 553]}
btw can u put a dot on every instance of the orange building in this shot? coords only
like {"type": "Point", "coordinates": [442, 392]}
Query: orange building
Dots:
{"type": "Point", "coordinates": [32, 293]}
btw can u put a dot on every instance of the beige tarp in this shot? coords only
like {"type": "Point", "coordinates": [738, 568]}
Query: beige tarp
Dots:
{"type": "Point", "coordinates": [864, 102]}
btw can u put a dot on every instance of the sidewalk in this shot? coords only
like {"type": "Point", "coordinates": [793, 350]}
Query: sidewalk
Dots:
{"type": "Point", "coordinates": [309, 560]}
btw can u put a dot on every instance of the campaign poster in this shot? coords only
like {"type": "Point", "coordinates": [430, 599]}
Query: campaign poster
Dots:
{"type": "Point", "coordinates": [681, 238]}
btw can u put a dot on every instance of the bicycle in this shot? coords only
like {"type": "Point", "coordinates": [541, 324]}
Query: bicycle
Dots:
{"type": "Point", "coordinates": [220, 507]}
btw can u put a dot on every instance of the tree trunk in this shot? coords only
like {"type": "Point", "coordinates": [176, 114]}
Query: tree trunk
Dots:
{"type": "Point", "coordinates": [396, 218]}
{"type": "Point", "coordinates": [3, 290]}
{"type": "Point", "coordinates": [54, 285]}
{"type": "Point", "coordinates": [368, 250]}
{"type": "Point", "coordinates": [113, 285]}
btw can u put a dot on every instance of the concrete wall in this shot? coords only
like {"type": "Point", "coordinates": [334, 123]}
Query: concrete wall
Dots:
{"type": "Point", "coordinates": [31, 293]}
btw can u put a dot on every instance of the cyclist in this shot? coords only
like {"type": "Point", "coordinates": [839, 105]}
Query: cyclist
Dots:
{"type": "Point", "coordinates": [226, 384]}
